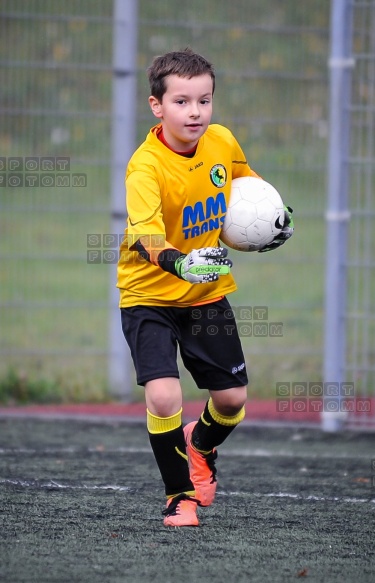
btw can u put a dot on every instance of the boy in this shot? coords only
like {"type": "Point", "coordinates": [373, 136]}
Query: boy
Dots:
{"type": "Point", "coordinates": [178, 184]}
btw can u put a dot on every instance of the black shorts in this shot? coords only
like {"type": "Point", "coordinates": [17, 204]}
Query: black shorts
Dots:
{"type": "Point", "coordinates": [206, 335]}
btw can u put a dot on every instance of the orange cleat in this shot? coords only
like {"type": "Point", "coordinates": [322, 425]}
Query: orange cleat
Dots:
{"type": "Point", "coordinates": [181, 510]}
{"type": "Point", "coordinates": [202, 469]}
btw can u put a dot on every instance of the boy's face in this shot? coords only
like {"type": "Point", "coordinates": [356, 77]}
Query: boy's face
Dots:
{"type": "Point", "coordinates": [185, 110]}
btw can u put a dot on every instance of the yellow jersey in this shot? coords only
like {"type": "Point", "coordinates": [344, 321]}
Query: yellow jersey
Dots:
{"type": "Point", "coordinates": [176, 202]}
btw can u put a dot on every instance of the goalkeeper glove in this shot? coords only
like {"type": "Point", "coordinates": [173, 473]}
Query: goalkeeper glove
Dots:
{"type": "Point", "coordinates": [203, 265]}
{"type": "Point", "coordinates": [285, 234]}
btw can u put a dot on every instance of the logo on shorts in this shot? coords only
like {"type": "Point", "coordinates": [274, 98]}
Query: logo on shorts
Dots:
{"type": "Point", "coordinates": [238, 368]}
{"type": "Point", "coordinates": [218, 175]}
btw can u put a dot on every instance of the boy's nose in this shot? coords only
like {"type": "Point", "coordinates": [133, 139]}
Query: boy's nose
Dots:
{"type": "Point", "coordinates": [194, 111]}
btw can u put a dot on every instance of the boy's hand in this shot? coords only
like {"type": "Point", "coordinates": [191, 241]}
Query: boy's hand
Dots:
{"type": "Point", "coordinates": [203, 265]}
{"type": "Point", "coordinates": [285, 234]}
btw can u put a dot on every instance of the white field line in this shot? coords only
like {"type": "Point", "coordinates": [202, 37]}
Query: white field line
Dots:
{"type": "Point", "coordinates": [248, 452]}
{"type": "Point", "coordinates": [309, 498]}
{"type": "Point", "coordinates": [71, 450]}
{"type": "Point", "coordinates": [53, 484]}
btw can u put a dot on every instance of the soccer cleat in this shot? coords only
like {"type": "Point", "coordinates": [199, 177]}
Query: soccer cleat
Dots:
{"type": "Point", "coordinates": [181, 510]}
{"type": "Point", "coordinates": [202, 469]}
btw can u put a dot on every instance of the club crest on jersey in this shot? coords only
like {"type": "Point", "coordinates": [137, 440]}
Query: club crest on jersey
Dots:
{"type": "Point", "coordinates": [218, 175]}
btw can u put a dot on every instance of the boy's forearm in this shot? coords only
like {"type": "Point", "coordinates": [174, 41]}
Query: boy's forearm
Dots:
{"type": "Point", "coordinates": [165, 259]}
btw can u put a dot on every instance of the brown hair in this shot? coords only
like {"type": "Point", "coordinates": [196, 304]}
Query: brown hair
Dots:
{"type": "Point", "coordinates": [184, 63]}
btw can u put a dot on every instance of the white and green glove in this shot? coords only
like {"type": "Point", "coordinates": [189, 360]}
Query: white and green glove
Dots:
{"type": "Point", "coordinates": [285, 234]}
{"type": "Point", "coordinates": [203, 265]}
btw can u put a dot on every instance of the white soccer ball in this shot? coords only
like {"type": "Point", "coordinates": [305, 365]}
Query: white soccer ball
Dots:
{"type": "Point", "coordinates": [255, 214]}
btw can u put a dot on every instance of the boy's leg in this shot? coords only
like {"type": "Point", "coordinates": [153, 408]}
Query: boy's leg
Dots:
{"type": "Point", "coordinates": [223, 412]}
{"type": "Point", "coordinates": [152, 335]}
{"type": "Point", "coordinates": [164, 425]}
{"type": "Point", "coordinates": [211, 350]}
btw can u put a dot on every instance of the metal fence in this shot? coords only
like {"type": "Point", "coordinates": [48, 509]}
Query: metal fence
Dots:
{"type": "Point", "coordinates": [360, 308]}
{"type": "Point", "coordinates": [56, 74]}
{"type": "Point", "coordinates": [272, 91]}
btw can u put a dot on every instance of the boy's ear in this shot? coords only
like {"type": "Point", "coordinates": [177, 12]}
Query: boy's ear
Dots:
{"type": "Point", "coordinates": [155, 106]}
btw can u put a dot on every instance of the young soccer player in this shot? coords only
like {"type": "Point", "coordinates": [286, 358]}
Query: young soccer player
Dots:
{"type": "Point", "coordinates": [178, 184]}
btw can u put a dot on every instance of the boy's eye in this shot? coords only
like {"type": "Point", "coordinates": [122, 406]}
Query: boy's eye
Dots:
{"type": "Point", "coordinates": [204, 101]}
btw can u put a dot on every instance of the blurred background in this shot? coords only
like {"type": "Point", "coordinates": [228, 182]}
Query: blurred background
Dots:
{"type": "Point", "coordinates": [73, 92]}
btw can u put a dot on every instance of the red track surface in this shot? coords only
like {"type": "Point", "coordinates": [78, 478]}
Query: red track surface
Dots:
{"type": "Point", "coordinates": [256, 411]}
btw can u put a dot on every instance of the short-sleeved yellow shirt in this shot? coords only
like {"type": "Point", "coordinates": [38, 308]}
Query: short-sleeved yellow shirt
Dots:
{"type": "Point", "coordinates": [177, 202]}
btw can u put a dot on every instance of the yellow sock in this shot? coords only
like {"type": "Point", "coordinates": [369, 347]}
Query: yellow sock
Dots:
{"type": "Point", "coordinates": [213, 428]}
{"type": "Point", "coordinates": [226, 420]}
{"type": "Point", "coordinates": [163, 424]}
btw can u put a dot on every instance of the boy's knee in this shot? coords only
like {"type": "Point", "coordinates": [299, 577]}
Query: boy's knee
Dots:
{"type": "Point", "coordinates": [163, 396]}
{"type": "Point", "coordinates": [230, 401]}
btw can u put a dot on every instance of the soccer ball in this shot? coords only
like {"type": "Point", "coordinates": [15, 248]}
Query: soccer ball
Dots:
{"type": "Point", "coordinates": [255, 214]}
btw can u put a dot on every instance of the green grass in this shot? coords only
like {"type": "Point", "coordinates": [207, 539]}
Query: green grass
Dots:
{"type": "Point", "coordinates": [18, 387]}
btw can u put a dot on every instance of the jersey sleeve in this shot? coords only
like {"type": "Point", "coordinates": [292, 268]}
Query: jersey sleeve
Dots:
{"type": "Point", "coordinates": [240, 166]}
{"type": "Point", "coordinates": [146, 229]}
{"type": "Point", "coordinates": [143, 203]}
